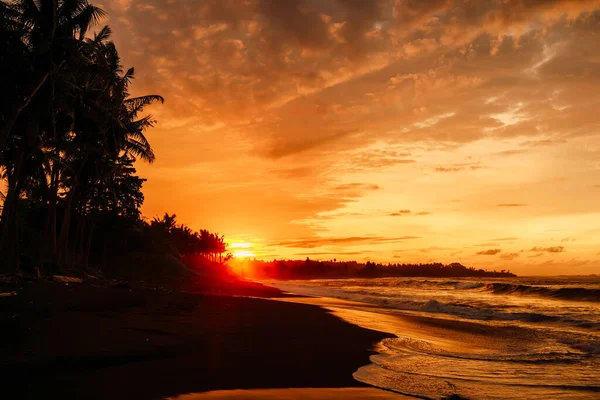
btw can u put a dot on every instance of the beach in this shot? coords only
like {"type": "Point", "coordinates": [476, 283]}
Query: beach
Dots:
{"type": "Point", "coordinates": [310, 339]}
{"type": "Point", "coordinates": [77, 341]}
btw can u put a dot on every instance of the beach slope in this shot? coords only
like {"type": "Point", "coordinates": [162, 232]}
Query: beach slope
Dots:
{"type": "Point", "coordinates": [73, 341]}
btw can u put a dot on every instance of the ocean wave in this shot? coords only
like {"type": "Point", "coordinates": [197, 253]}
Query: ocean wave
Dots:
{"type": "Point", "coordinates": [402, 344]}
{"type": "Point", "coordinates": [468, 285]}
{"type": "Point", "coordinates": [472, 312]}
{"type": "Point", "coordinates": [481, 312]}
{"type": "Point", "coordinates": [563, 293]}
{"type": "Point", "coordinates": [473, 301]}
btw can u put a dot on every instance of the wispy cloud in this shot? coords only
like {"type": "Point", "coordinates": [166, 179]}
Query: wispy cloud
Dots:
{"type": "Point", "coordinates": [336, 253]}
{"type": "Point", "coordinates": [509, 256]}
{"type": "Point", "coordinates": [460, 167]}
{"type": "Point", "coordinates": [555, 249]}
{"type": "Point", "coordinates": [318, 242]}
{"type": "Point", "coordinates": [491, 252]}
{"type": "Point", "coordinates": [357, 186]}
{"type": "Point", "coordinates": [400, 213]}
{"type": "Point", "coordinates": [316, 123]}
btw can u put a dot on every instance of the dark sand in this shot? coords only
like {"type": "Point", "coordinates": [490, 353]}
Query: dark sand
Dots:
{"type": "Point", "coordinates": [74, 341]}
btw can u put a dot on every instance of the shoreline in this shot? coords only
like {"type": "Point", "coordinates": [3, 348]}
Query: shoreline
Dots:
{"type": "Point", "coordinates": [77, 341]}
{"type": "Point", "coordinates": [440, 355]}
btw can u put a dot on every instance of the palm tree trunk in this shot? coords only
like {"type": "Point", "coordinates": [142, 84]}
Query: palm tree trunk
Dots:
{"type": "Point", "coordinates": [88, 246]}
{"type": "Point", "coordinates": [9, 216]}
{"type": "Point", "coordinates": [78, 245]}
{"type": "Point", "coordinates": [63, 239]}
{"type": "Point", "coordinates": [52, 209]}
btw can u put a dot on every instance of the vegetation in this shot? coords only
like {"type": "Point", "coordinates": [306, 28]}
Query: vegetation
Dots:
{"type": "Point", "coordinates": [309, 269]}
{"type": "Point", "coordinates": [70, 135]}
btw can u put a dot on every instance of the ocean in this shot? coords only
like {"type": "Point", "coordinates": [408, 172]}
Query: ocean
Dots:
{"type": "Point", "coordinates": [516, 338]}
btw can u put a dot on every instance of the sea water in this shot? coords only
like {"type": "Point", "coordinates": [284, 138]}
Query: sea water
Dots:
{"type": "Point", "coordinates": [517, 338]}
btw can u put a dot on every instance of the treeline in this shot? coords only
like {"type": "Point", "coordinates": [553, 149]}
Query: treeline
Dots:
{"type": "Point", "coordinates": [70, 135]}
{"type": "Point", "coordinates": [183, 241]}
{"type": "Point", "coordinates": [309, 269]}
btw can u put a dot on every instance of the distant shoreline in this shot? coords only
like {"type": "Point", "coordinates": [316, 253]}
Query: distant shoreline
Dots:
{"type": "Point", "coordinates": [311, 269]}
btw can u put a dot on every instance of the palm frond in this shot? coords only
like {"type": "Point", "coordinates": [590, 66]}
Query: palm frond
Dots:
{"type": "Point", "coordinates": [140, 149]}
{"type": "Point", "coordinates": [83, 17]}
{"type": "Point", "coordinates": [136, 104]}
{"type": "Point", "coordinates": [103, 35]}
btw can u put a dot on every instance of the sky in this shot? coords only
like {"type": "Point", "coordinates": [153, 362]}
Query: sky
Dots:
{"type": "Point", "coordinates": [385, 130]}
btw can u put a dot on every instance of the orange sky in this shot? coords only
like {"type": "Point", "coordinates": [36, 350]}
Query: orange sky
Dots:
{"type": "Point", "coordinates": [392, 130]}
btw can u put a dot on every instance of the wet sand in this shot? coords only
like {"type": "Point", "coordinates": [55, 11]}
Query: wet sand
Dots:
{"type": "Point", "coordinates": [295, 394]}
{"type": "Point", "coordinates": [60, 341]}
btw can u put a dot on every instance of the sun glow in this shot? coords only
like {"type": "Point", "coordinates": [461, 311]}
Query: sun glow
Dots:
{"type": "Point", "coordinates": [240, 245]}
{"type": "Point", "coordinates": [241, 249]}
{"type": "Point", "coordinates": [243, 254]}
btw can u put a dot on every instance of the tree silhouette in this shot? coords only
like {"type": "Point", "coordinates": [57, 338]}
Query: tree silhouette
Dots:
{"type": "Point", "coordinates": [69, 137]}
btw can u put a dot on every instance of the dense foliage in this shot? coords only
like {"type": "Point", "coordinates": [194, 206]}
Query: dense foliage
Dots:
{"type": "Point", "coordinates": [70, 135]}
{"type": "Point", "coordinates": [309, 269]}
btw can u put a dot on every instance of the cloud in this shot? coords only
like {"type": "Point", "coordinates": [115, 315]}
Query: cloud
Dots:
{"type": "Point", "coordinates": [406, 213]}
{"type": "Point", "coordinates": [377, 159]}
{"type": "Point", "coordinates": [460, 167]}
{"type": "Point", "coordinates": [488, 244]}
{"type": "Point", "coordinates": [491, 252]}
{"type": "Point", "coordinates": [318, 242]}
{"type": "Point", "coordinates": [509, 256]}
{"type": "Point", "coordinates": [295, 172]}
{"type": "Point", "coordinates": [448, 169]}
{"type": "Point", "coordinates": [400, 213]}
{"type": "Point", "coordinates": [357, 186]}
{"type": "Point", "coordinates": [433, 249]}
{"type": "Point", "coordinates": [337, 253]}
{"type": "Point", "coordinates": [511, 152]}
{"type": "Point", "coordinates": [279, 114]}
{"type": "Point", "coordinates": [555, 249]}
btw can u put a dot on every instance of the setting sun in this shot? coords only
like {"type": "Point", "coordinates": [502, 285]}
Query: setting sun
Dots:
{"type": "Point", "coordinates": [240, 250]}
{"type": "Point", "coordinates": [243, 253]}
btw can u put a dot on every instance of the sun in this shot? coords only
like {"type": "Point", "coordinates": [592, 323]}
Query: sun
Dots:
{"type": "Point", "coordinates": [241, 250]}
{"type": "Point", "coordinates": [243, 254]}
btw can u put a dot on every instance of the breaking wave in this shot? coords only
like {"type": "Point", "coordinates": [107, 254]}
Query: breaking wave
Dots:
{"type": "Point", "coordinates": [563, 293]}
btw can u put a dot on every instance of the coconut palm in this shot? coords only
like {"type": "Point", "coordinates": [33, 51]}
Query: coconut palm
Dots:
{"type": "Point", "coordinates": [44, 32]}
{"type": "Point", "coordinates": [70, 130]}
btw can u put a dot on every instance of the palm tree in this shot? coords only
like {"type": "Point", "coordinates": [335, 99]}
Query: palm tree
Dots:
{"type": "Point", "coordinates": [106, 128]}
{"type": "Point", "coordinates": [70, 130]}
{"type": "Point", "coordinates": [42, 37]}
{"type": "Point", "coordinates": [47, 30]}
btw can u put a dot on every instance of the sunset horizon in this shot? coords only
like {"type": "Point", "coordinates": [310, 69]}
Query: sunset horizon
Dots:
{"type": "Point", "coordinates": [300, 199]}
{"type": "Point", "coordinates": [379, 131]}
